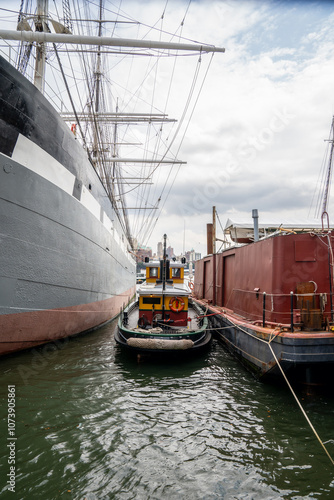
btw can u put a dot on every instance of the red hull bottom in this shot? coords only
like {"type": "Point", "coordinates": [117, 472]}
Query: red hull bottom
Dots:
{"type": "Point", "coordinates": [26, 330]}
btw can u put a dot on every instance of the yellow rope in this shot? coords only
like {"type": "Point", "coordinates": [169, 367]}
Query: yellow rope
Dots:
{"type": "Point", "coordinates": [273, 334]}
{"type": "Point", "coordinates": [300, 406]}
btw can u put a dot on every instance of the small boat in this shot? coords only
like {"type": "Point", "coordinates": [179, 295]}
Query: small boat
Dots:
{"type": "Point", "coordinates": [164, 319]}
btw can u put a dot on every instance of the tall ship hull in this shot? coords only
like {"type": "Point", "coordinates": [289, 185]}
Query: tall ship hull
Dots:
{"type": "Point", "coordinates": [73, 207]}
{"type": "Point", "coordinates": [65, 265]}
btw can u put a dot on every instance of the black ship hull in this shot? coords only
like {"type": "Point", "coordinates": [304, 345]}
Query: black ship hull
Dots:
{"type": "Point", "coordinates": [65, 266]}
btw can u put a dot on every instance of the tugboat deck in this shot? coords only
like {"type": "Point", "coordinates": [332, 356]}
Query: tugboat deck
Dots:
{"type": "Point", "coordinates": [192, 324]}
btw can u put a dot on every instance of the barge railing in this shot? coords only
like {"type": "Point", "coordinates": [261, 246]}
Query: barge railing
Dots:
{"type": "Point", "coordinates": [306, 311]}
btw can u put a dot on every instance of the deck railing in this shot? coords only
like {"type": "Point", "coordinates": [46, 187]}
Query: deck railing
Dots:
{"type": "Point", "coordinates": [309, 311]}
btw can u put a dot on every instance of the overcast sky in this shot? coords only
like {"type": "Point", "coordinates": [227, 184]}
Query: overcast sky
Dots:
{"type": "Point", "coordinates": [256, 139]}
{"type": "Point", "coordinates": [257, 135]}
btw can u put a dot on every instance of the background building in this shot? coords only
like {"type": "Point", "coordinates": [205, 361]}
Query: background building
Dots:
{"type": "Point", "coordinates": [160, 250]}
{"type": "Point", "coordinates": [170, 252]}
{"type": "Point", "coordinates": [141, 253]}
{"type": "Point", "coordinates": [192, 256]}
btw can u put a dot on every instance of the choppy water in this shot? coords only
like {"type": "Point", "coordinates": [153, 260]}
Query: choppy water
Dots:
{"type": "Point", "coordinates": [92, 424]}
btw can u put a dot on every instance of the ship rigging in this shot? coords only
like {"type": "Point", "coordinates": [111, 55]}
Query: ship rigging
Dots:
{"type": "Point", "coordinates": [137, 167]}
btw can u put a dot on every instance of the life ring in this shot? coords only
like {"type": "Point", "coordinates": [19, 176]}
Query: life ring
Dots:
{"type": "Point", "coordinates": [176, 304]}
{"type": "Point", "coordinates": [191, 285]}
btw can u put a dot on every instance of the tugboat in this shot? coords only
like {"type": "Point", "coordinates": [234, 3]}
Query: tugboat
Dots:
{"type": "Point", "coordinates": [164, 319]}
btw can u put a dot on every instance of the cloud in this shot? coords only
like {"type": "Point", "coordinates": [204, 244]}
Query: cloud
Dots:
{"type": "Point", "coordinates": [255, 138]}
{"type": "Point", "coordinates": [258, 136]}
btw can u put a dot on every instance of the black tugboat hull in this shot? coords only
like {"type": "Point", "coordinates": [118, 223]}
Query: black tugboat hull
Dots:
{"type": "Point", "coordinates": [181, 351]}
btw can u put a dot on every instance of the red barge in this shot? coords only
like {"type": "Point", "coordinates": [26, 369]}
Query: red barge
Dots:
{"type": "Point", "coordinates": [271, 300]}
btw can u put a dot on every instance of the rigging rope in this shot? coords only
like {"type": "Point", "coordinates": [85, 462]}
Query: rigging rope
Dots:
{"type": "Point", "coordinates": [149, 219]}
{"type": "Point", "coordinates": [143, 222]}
{"type": "Point", "coordinates": [181, 142]}
{"type": "Point", "coordinates": [142, 190]}
{"type": "Point", "coordinates": [324, 177]}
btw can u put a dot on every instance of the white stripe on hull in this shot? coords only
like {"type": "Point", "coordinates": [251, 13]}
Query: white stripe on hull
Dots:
{"type": "Point", "coordinates": [36, 159]}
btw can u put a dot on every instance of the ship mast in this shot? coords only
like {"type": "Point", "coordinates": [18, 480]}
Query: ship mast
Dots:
{"type": "Point", "coordinates": [101, 161]}
{"type": "Point", "coordinates": [164, 266]}
{"type": "Point", "coordinates": [97, 76]}
{"type": "Point", "coordinates": [40, 23]}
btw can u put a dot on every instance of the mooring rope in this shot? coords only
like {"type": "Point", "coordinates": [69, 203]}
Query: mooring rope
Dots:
{"type": "Point", "coordinates": [273, 334]}
{"type": "Point", "coordinates": [300, 406]}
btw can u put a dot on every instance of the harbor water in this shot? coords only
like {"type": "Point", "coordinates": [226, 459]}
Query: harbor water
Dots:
{"type": "Point", "coordinates": [91, 423]}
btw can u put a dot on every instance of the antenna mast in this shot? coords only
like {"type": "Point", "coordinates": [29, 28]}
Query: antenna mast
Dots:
{"type": "Point", "coordinates": [329, 175]}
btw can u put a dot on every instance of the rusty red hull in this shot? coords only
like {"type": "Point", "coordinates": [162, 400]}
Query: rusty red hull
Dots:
{"type": "Point", "coordinates": [30, 329]}
{"type": "Point", "coordinates": [276, 291]}
{"type": "Point", "coordinates": [237, 278]}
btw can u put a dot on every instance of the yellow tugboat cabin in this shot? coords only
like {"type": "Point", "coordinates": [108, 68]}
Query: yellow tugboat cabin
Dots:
{"type": "Point", "coordinates": [164, 295]}
{"type": "Point", "coordinates": [176, 272]}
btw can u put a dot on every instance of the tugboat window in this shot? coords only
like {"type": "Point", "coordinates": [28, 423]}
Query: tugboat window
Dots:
{"type": "Point", "coordinates": [176, 272]}
{"type": "Point", "coordinates": [153, 272]}
{"type": "Point", "coordinates": [151, 300]}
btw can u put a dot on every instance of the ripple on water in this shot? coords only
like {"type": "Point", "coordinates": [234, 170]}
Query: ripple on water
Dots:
{"type": "Point", "coordinates": [99, 425]}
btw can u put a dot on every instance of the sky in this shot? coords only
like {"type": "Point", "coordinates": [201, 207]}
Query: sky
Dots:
{"type": "Point", "coordinates": [256, 139]}
{"type": "Point", "coordinates": [257, 136]}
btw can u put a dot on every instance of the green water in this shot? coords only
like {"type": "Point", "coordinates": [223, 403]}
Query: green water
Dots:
{"type": "Point", "coordinates": [93, 424]}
